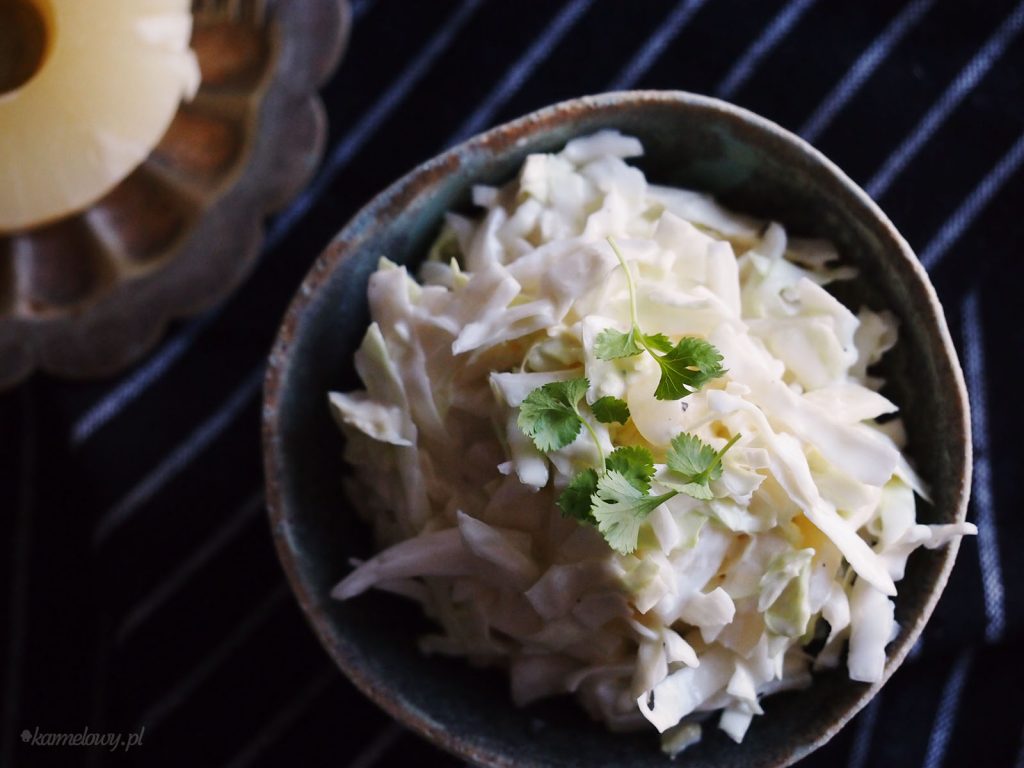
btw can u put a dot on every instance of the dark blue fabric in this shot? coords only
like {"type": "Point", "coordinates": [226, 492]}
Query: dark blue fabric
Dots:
{"type": "Point", "coordinates": [140, 586]}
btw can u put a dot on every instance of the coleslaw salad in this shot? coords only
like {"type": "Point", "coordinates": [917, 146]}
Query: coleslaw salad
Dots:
{"type": "Point", "coordinates": [806, 522]}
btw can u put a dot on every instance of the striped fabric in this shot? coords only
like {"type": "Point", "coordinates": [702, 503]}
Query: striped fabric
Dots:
{"type": "Point", "coordinates": [141, 589]}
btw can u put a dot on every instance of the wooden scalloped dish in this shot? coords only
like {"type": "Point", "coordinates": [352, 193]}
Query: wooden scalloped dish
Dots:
{"type": "Point", "coordinates": [88, 295]}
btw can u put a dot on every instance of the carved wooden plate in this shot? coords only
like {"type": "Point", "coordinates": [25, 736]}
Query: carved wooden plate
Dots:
{"type": "Point", "coordinates": [89, 294]}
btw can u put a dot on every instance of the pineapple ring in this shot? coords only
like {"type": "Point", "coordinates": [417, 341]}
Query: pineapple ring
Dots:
{"type": "Point", "coordinates": [110, 77]}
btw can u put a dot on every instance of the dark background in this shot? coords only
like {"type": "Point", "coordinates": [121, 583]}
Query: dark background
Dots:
{"type": "Point", "coordinates": [140, 585]}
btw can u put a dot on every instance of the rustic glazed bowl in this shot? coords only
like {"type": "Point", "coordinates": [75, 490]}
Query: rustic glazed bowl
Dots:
{"type": "Point", "coordinates": [751, 165]}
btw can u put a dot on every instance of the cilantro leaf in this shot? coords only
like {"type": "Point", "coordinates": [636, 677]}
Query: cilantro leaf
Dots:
{"type": "Point", "coordinates": [634, 463]}
{"type": "Point", "coordinates": [575, 500]}
{"type": "Point", "coordinates": [550, 414]}
{"type": "Point", "coordinates": [620, 508]}
{"type": "Point", "coordinates": [701, 491]}
{"type": "Point", "coordinates": [687, 367]}
{"type": "Point", "coordinates": [658, 342]}
{"type": "Point", "coordinates": [696, 464]}
{"type": "Point", "coordinates": [608, 409]}
{"type": "Point", "coordinates": [690, 457]}
{"type": "Point", "coordinates": [611, 344]}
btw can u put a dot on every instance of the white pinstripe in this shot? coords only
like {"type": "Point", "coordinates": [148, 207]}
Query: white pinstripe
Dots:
{"type": "Point", "coordinates": [972, 205]}
{"type": "Point", "coordinates": [962, 84]}
{"type": "Point", "coordinates": [945, 716]}
{"type": "Point", "coordinates": [866, 722]}
{"type": "Point", "coordinates": [370, 122]}
{"type": "Point", "coordinates": [179, 694]}
{"type": "Point", "coordinates": [285, 718]}
{"type": "Point", "coordinates": [179, 458]}
{"type": "Point", "coordinates": [773, 34]}
{"type": "Point", "coordinates": [119, 398]}
{"type": "Point", "coordinates": [522, 69]}
{"type": "Point", "coordinates": [988, 538]}
{"type": "Point", "coordinates": [916, 649]}
{"type": "Point", "coordinates": [655, 45]}
{"type": "Point", "coordinates": [864, 67]}
{"type": "Point", "coordinates": [379, 746]}
{"type": "Point", "coordinates": [169, 586]}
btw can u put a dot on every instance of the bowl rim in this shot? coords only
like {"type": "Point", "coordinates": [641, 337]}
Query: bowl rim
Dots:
{"type": "Point", "coordinates": [367, 219]}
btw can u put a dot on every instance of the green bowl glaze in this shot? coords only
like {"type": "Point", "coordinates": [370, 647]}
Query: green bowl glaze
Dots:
{"type": "Point", "coordinates": [751, 165]}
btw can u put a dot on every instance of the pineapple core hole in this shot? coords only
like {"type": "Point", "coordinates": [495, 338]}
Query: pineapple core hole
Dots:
{"type": "Point", "coordinates": [24, 41]}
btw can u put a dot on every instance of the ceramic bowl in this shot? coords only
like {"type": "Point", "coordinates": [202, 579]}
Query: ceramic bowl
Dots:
{"type": "Point", "coordinates": [751, 165]}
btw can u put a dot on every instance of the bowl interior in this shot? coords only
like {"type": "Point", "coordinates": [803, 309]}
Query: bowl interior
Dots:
{"type": "Point", "coordinates": [751, 166]}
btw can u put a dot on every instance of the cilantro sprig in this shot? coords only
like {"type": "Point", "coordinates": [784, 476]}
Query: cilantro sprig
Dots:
{"type": "Point", "coordinates": [695, 464]}
{"type": "Point", "coordinates": [632, 463]}
{"type": "Point", "coordinates": [685, 366]}
{"type": "Point", "coordinates": [550, 415]}
{"type": "Point", "coordinates": [616, 495]}
{"type": "Point", "coordinates": [619, 499]}
{"type": "Point", "coordinates": [620, 507]}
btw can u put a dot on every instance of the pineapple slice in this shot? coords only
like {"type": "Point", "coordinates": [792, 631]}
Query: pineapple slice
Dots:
{"type": "Point", "coordinates": [108, 78]}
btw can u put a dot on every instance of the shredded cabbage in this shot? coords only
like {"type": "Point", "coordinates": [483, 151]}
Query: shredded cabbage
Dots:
{"type": "Point", "coordinates": [813, 517]}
